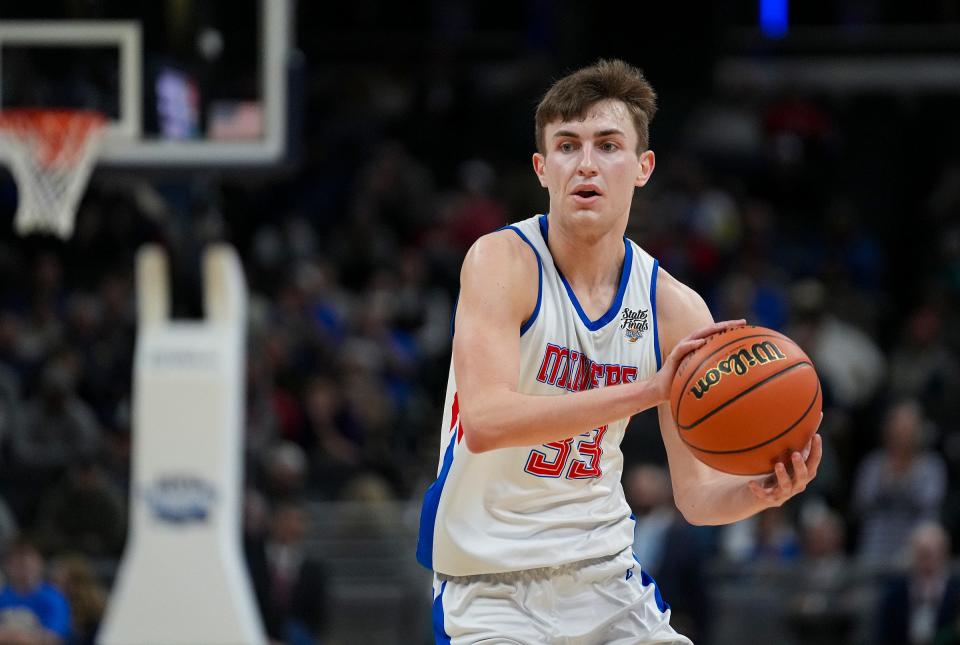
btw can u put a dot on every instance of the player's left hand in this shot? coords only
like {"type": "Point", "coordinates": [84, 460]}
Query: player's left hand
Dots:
{"type": "Point", "coordinates": [782, 484]}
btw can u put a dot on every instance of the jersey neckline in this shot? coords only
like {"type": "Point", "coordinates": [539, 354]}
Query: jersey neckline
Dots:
{"type": "Point", "coordinates": [611, 313]}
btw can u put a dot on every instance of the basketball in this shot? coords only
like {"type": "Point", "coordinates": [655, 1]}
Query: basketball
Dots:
{"type": "Point", "coordinates": [746, 399]}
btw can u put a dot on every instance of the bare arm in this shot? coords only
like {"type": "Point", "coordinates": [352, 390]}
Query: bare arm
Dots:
{"type": "Point", "coordinates": [705, 495]}
{"type": "Point", "coordinates": [498, 293]}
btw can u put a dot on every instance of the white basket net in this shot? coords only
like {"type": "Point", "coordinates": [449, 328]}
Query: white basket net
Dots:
{"type": "Point", "coordinates": [51, 155]}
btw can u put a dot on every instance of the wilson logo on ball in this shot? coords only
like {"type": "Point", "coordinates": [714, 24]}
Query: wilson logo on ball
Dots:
{"type": "Point", "coordinates": [738, 363]}
{"type": "Point", "coordinates": [763, 404]}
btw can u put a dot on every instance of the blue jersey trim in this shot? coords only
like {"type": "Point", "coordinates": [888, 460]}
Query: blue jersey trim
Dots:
{"type": "Point", "coordinates": [536, 310]}
{"type": "Point", "coordinates": [646, 580]}
{"type": "Point", "coordinates": [439, 632]}
{"type": "Point", "coordinates": [594, 325]}
{"type": "Point", "coordinates": [431, 503]}
{"type": "Point", "coordinates": [453, 317]}
{"type": "Point", "coordinates": [653, 308]}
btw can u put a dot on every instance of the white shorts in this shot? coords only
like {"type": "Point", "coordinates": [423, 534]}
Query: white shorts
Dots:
{"type": "Point", "coordinates": [607, 600]}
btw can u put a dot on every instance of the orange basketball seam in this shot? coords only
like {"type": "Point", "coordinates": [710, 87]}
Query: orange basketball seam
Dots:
{"type": "Point", "coordinates": [742, 394]}
{"type": "Point", "coordinates": [771, 439]}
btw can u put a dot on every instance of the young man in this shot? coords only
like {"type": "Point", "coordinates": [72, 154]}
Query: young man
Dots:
{"type": "Point", "coordinates": [564, 330]}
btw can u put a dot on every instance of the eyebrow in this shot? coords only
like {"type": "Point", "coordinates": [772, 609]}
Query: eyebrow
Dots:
{"type": "Point", "coordinates": [598, 134]}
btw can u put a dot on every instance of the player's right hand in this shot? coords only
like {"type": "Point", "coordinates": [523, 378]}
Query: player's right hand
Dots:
{"type": "Point", "coordinates": [663, 380]}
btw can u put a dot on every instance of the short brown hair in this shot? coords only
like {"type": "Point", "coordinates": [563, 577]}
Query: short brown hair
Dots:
{"type": "Point", "coordinates": [572, 96]}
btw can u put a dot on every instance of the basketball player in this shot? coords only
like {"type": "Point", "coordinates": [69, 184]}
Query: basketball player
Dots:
{"type": "Point", "coordinates": [564, 329]}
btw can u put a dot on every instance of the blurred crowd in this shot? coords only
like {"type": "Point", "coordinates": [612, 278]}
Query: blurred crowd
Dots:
{"type": "Point", "coordinates": [820, 217]}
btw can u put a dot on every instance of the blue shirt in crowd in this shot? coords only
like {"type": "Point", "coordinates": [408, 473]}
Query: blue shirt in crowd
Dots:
{"type": "Point", "coordinates": [45, 602]}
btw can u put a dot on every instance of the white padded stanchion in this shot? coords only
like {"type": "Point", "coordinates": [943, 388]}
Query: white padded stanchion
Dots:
{"type": "Point", "coordinates": [182, 580]}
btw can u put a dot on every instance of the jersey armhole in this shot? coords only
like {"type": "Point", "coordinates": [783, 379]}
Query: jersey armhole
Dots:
{"type": "Point", "coordinates": [536, 310]}
{"type": "Point", "coordinates": [653, 307]}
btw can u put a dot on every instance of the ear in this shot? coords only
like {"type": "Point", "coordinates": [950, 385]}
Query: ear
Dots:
{"type": "Point", "coordinates": [540, 167]}
{"type": "Point", "coordinates": [645, 167]}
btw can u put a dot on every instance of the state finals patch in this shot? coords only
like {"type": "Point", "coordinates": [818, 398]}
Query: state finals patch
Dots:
{"type": "Point", "coordinates": [634, 323]}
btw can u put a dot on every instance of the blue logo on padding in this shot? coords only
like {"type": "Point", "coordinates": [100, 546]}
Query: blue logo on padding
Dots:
{"type": "Point", "coordinates": [180, 499]}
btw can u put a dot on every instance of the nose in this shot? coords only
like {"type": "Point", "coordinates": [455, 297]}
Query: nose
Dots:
{"type": "Point", "coordinates": [586, 168]}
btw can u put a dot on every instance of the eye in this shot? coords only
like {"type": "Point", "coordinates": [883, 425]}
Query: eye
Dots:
{"type": "Point", "coordinates": [566, 146]}
{"type": "Point", "coordinates": [609, 146]}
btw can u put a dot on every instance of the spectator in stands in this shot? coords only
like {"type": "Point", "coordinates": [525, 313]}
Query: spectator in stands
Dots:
{"type": "Point", "coordinates": [366, 513]}
{"type": "Point", "coordinates": [8, 526]}
{"type": "Point", "coordinates": [824, 603]}
{"type": "Point", "coordinates": [101, 332]}
{"type": "Point", "coordinates": [44, 329]}
{"type": "Point", "coordinates": [917, 606]}
{"type": "Point", "coordinates": [776, 537]}
{"type": "Point", "coordinates": [12, 355]}
{"type": "Point", "coordinates": [849, 363]}
{"type": "Point", "coordinates": [9, 403]}
{"type": "Point", "coordinates": [394, 192]}
{"type": "Point", "coordinates": [898, 485]}
{"type": "Point", "coordinates": [476, 210]}
{"type": "Point", "coordinates": [284, 471]}
{"type": "Point", "coordinates": [256, 516]}
{"type": "Point", "coordinates": [58, 427]}
{"type": "Point", "coordinates": [924, 367]}
{"type": "Point", "coordinates": [758, 299]}
{"type": "Point", "coordinates": [297, 597]}
{"type": "Point", "coordinates": [85, 511]}
{"type": "Point", "coordinates": [262, 424]}
{"type": "Point", "coordinates": [327, 304]}
{"type": "Point", "coordinates": [421, 309]}
{"type": "Point", "coordinates": [10, 419]}
{"type": "Point", "coordinates": [335, 450]}
{"type": "Point", "coordinates": [74, 576]}
{"type": "Point", "coordinates": [272, 351]}
{"type": "Point", "coordinates": [32, 611]}
{"type": "Point", "coordinates": [83, 336]}
{"type": "Point", "coordinates": [768, 538]}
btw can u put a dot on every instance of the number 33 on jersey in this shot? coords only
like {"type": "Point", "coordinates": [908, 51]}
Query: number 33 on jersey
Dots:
{"type": "Point", "coordinates": [589, 446]}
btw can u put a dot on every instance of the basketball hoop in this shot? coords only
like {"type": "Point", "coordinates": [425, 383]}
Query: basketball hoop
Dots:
{"type": "Point", "coordinates": [51, 154]}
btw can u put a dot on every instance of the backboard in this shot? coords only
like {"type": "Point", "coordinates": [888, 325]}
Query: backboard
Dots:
{"type": "Point", "coordinates": [182, 83]}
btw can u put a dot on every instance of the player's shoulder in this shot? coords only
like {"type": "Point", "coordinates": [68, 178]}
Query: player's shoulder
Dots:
{"type": "Point", "coordinates": [502, 251]}
{"type": "Point", "coordinates": [680, 309]}
{"type": "Point", "coordinates": [499, 279]}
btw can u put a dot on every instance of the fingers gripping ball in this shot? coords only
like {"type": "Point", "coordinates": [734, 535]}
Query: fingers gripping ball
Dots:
{"type": "Point", "coordinates": [746, 399]}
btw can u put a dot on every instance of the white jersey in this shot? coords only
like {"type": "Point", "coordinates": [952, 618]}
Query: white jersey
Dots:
{"type": "Point", "coordinates": [514, 509]}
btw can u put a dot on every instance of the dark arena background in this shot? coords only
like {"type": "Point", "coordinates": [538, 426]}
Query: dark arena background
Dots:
{"type": "Point", "coordinates": [808, 180]}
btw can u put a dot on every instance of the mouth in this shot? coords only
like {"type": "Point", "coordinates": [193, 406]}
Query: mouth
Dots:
{"type": "Point", "coordinates": [586, 194]}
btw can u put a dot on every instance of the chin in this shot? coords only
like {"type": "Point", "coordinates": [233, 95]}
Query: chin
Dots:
{"type": "Point", "coordinates": [587, 214]}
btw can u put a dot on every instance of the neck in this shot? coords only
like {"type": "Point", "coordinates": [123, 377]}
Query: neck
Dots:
{"type": "Point", "coordinates": [587, 258]}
